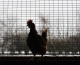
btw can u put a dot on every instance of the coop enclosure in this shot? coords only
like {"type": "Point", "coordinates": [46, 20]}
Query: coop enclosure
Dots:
{"type": "Point", "coordinates": [60, 17]}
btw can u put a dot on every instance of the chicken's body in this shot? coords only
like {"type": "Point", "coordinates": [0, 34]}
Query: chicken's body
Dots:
{"type": "Point", "coordinates": [36, 42]}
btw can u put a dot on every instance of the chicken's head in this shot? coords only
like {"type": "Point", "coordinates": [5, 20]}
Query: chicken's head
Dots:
{"type": "Point", "coordinates": [30, 24]}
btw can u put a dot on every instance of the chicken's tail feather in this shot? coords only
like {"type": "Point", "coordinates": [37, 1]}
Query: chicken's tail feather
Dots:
{"type": "Point", "coordinates": [44, 34]}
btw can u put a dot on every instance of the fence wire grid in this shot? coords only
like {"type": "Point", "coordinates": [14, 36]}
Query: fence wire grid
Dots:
{"type": "Point", "coordinates": [62, 18]}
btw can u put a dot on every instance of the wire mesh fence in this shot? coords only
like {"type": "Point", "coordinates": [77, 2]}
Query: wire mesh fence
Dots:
{"type": "Point", "coordinates": [61, 17]}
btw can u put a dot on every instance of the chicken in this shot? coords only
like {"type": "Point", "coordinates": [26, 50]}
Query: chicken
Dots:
{"type": "Point", "coordinates": [35, 42]}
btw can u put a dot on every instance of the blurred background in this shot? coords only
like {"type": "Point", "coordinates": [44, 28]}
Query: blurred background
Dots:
{"type": "Point", "coordinates": [61, 17]}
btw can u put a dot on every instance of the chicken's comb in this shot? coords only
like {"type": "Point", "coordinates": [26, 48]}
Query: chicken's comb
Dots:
{"type": "Point", "coordinates": [29, 21]}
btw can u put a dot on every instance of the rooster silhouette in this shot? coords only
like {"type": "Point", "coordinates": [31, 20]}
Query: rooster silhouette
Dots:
{"type": "Point", "coordinates": [36, 43]}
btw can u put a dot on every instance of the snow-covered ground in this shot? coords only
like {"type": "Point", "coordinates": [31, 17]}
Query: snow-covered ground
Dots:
{"type": "Point", "coordinates": [48, 54]}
